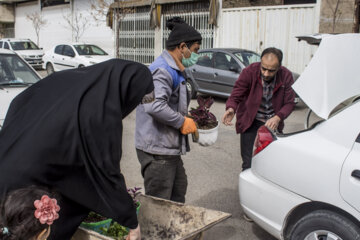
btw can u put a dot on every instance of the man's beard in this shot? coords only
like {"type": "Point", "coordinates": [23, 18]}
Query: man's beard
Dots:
{"type": "Point", "coordinates": [267, 79]}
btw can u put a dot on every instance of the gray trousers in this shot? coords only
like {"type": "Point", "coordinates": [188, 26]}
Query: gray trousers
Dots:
{"type": "Point", "coordinates": [164, 176]}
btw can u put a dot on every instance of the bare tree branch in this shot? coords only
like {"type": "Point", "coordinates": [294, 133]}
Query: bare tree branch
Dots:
{"type": "Point", "coordinates": [99, 9]}
{"type": "Point", "coordinates": [38, 23]}
{"type": "Point", "coordinates": [336, 13]}
{"type": "Point", "coordinates": [77, 23]}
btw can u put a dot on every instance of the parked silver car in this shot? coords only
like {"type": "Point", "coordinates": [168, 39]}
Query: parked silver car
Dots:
{"type": "Point", "coordinates": [217, 70]}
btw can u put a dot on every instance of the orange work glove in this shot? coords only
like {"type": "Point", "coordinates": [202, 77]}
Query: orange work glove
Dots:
{"type": "Point", "coordinates": [189, 126]}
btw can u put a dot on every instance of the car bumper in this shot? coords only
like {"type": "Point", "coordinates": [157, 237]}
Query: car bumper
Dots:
{"type": "Point", "coordinates": [35, 62]}
{"type": "Point", "coordinates": [265, 202]}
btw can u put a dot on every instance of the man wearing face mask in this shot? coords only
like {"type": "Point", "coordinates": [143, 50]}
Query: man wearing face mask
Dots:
{"type": "Point", "coordinates": [162, 126]}
{"type": "Point", "coordinates": [261, 96]}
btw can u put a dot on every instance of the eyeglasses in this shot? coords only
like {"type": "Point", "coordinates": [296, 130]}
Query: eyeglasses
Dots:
{"type": "Point", "coordinates": [269, 70]}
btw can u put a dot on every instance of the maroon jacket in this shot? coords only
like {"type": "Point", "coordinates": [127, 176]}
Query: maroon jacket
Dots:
{"type": "Point", "coordinates": [246, 96]}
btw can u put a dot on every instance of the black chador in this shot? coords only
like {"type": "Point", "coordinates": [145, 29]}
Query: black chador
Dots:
{"type": "Point", "coordinates": [65, 133]}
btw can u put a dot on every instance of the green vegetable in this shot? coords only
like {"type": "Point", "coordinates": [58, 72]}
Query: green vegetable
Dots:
{"type": "Point", "coordinates": [116, 231]}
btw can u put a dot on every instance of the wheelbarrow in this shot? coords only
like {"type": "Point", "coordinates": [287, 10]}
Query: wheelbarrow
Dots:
{"type": "Point", "coordinates": [163, 219]}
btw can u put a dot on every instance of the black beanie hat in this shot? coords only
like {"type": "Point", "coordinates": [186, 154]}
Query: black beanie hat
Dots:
{"type": "Point", "coordinates": [181, 32]}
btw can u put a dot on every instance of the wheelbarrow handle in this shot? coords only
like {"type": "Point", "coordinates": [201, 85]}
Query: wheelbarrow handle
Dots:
{"type": "Point", "coordinates": [195, 136]}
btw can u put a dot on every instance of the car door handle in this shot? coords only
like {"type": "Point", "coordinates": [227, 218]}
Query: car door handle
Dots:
{"type": "Point", "coordinates": [194, 70]}
{"type": "Point", "coordinates": [356, 174]}
{"type": "Point", "coordinates": [216, 74]}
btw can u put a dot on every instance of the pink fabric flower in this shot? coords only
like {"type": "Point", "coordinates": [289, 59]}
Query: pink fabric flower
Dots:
{"type": "Point", "coordinates": [46, 210]}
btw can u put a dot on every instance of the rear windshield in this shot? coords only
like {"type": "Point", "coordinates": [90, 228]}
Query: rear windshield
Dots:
{"type": "Point", "coordinates": [14, 71]}
{"type": "Point", "coordinates": [247, 58]}
{"type": "Point", "coordinates": [24, 45]}
{"type": "Point", "coordinates": [89, 50]}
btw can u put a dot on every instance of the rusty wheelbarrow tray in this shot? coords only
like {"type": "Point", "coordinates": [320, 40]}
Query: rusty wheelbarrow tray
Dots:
{"type": "Point", "coordinates": [163, 219]}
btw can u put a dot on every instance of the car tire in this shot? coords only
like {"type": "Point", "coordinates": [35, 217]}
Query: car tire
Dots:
{"type": "Point", "coordinates": [324, 224]}
{"type": "Point", "coordinates": [49, 68]}
{"type": "Point", "coordinates": [190, 87]}
{"type": "Point", "coordinates": [81, 66]}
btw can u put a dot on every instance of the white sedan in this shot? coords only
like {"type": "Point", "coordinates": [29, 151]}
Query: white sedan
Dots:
{"type": "Point", "coordinates": [76, 55]}
{"type": "Point", "coordinates": [306, 185]}
{"type": "Point", "coordinates": [15, 76]}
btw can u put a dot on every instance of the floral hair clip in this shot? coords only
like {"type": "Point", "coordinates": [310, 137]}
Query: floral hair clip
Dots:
{"type": "Point", "coordinates": [46, 210]}
{"type": "Point", "coordinates": [5, 231]}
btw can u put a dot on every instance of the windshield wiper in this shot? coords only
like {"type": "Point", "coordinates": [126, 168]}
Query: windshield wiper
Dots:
{"type": "Point", "coordinates": [14, 83]}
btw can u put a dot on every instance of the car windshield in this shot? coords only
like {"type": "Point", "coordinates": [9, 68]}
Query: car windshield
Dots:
{"type": "Point", "coordinates": [23, 45]}
{"type": "Point", "coordinates": [85, 49]}
{"type": "Point", "coordinates": [14, 71]}
{"type": "Point", "coordinates": [247, 58]}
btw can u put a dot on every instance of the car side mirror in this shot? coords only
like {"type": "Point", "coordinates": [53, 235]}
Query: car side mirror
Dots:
{"type": "Point", "coordinates": [234, 69]}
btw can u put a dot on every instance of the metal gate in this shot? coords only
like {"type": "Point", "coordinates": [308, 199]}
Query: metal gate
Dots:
{"type": "Point", "coordinates": [199, 20]}
{"type": "Point", "coordinates": [195, 14]}
{"type": "Point", "coordinates": [257, 28]}
{"type": "Point", "coordinates": [136, 38]}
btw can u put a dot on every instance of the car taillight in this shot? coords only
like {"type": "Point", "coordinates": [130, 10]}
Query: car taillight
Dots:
{"type": "Point", "coordinates": [263, 138]}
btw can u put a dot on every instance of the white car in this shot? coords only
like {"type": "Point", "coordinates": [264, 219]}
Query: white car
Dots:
{"type": "Point", "coordinates": [76, 55]}
{"type": "Point", "coordinates": [306, 185]}
{"type": "Point", "coordinates": [26, 48]}
{"type": "Point", "coordinates": [15, 76]}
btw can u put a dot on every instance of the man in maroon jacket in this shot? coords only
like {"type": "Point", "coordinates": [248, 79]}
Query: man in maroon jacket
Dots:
{"type": "Point", "coordinates": [261, 95]}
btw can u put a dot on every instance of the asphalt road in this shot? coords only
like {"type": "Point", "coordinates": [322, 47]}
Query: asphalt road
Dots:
{"type": "Point", "coordinates": [212, 174]}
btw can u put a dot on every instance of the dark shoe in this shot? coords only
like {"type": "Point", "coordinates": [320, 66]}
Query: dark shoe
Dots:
{"type": "Point", "coordinates": [248, 219]}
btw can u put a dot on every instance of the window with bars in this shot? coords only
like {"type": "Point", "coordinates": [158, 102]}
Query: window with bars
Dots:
{"type": "Point", "coordinates": [136, 38]}
{"type": "Point", "coordinates": [195, 14]}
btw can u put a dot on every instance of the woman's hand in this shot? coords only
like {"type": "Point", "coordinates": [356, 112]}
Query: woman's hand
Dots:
{"type": "Point", "coordinates": [134, 234]}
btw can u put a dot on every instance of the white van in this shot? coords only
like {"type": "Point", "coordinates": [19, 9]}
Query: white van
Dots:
{"type": "Point", "coordinates": [15, 76]}
{"type": "Point", "coordinates": [26, 48]}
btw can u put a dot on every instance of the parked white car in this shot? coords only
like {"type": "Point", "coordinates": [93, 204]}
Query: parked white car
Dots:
{"type": "Point", "coordinates": [76, 55]}
{"type": "Point", "coordinates": [306, 185]}
{"type": "Point", "coordinates": [26, 48]}
{"type": "Point", "coordinates": [15, 76]}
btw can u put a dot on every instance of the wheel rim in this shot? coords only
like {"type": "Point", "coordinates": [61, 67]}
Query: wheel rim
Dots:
{"type": "Point", "coordinates": [189, 87]}
{"type": "Point", "coordinates": [322, 235]}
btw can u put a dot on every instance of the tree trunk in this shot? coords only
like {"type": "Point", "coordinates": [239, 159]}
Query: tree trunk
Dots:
{"type": "Point", "coordinates": [356, 17]}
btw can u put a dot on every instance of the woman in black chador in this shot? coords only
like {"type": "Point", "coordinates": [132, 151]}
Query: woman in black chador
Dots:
{"type": "Point", "coordinates": [65, 133]}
